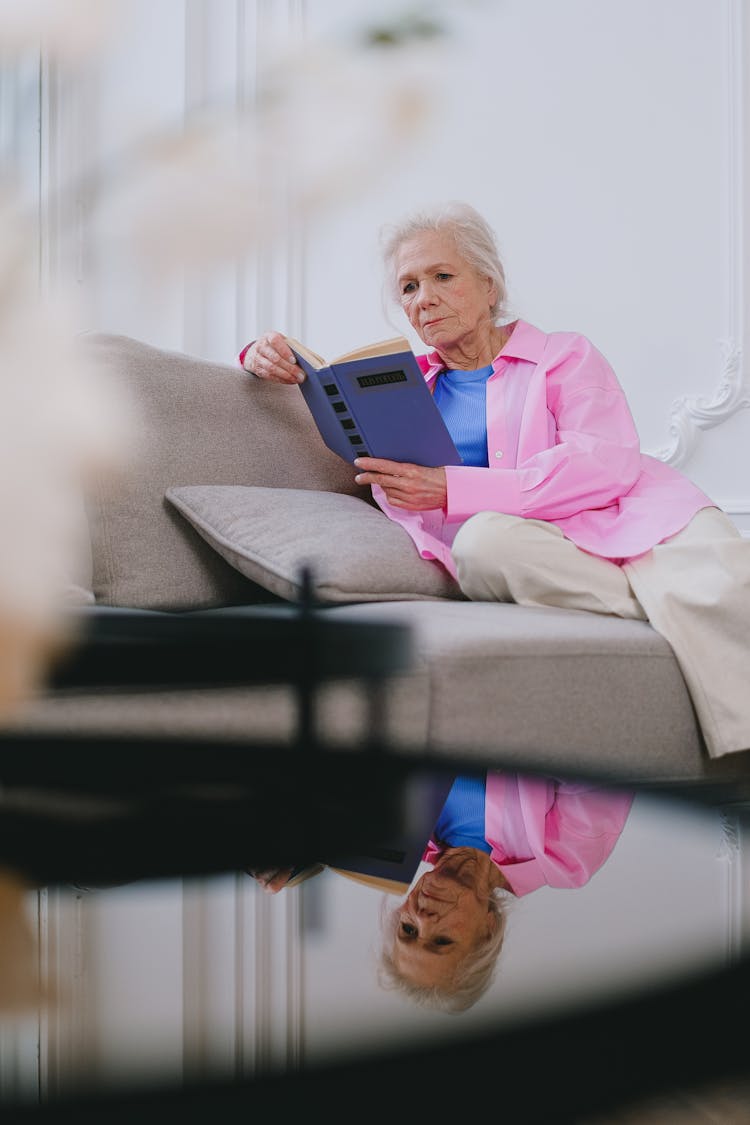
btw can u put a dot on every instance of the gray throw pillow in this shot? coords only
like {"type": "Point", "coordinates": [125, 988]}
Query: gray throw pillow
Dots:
{"type": "Point", "coordinates": [353, 551]}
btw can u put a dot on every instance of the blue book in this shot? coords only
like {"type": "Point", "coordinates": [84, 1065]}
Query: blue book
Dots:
{"type": "Point", "coordinates": [395, 860]}
{"type": "Point", "coordinates": [390, 864]}
{"type": "Point", "coordinates": [374, 402]}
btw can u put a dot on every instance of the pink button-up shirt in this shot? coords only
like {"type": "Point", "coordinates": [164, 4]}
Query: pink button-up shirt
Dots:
{"type": "Point", "coordinates": [547, 832]}
{"type": "Point", "coordinates": [562, 446]}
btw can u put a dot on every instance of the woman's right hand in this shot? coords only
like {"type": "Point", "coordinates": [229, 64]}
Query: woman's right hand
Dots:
{"type": "Point", "coordinates": [270, 357]}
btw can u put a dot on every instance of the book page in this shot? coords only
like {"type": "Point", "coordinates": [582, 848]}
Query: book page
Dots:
{"type": "Point", "coordinates": [312, 357]}
{"type": "Point", "coordinates": [382, 347]}
{"type": "Point", "coordinates": [391, 886]}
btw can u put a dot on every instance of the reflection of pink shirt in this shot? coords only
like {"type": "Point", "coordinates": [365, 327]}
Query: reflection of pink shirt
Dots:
{"type": "Point", "coordinates": [562, 446]}
{"type": "Point", "coordinates": [544, 831]}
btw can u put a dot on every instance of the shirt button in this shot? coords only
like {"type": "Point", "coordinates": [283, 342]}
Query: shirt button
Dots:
{"type": "Point", "coordinates": [498, 453]}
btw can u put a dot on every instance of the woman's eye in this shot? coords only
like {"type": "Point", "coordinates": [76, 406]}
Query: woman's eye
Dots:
{"type": "Point", "coordinates": [408, 287]}
{"type": "Point", "coordinates": [408, 929]}
{"type": "Point", "coordinates": [443, 276]}
{"type": "Point", "coordinates": [443, 941]}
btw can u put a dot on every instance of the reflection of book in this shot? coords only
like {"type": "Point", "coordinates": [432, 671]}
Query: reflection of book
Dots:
{"type": "Point", "coordinates": [392, 864]}
{"type": "Point", "coordinates": [300, 874]}
{"type": "Point", "coordinates": [374, 402]}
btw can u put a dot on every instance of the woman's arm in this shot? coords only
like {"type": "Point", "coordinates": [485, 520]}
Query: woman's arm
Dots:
{"type": "Point", "coordinates": [593, 460]}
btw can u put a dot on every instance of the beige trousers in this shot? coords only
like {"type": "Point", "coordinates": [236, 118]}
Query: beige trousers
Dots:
{"type": "Point", "coordinates": [694, 588]}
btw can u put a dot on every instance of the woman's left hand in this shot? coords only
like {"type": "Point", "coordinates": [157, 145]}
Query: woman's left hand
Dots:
{"type": "Point", "coordinates": [272, 880]}
{"type": "Point", "coordinates": [413, 487]}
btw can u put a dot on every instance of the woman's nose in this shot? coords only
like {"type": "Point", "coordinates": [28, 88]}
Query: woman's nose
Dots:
{"type": "Point", "coordinates": [426, 294]}
{"type": "Point", "coordinates": [426, 909]}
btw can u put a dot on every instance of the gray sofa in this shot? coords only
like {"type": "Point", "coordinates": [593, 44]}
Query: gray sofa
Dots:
{"type": "Point", "coordinates": [230, 493]}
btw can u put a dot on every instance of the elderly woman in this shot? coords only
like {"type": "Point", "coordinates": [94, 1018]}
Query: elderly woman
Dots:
{"type": "Point", "coordinates": [554, 504]}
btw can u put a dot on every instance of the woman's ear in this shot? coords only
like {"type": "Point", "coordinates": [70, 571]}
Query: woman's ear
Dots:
{"type": "Point", "coordinates": [492, 922]}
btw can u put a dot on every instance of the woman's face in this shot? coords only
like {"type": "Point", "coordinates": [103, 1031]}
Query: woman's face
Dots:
{"type": "Point", "coordinates": [446, 301]}
{"type": "Point", "coordinates": [444, 917]}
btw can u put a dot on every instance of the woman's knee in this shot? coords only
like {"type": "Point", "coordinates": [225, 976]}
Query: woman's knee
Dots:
{"type": "Point", "coordinates": [478, 535]}
{"type": "Point", "coordinates": [482, 548]}
{"type": "Point", "coordinates": [481, 535]}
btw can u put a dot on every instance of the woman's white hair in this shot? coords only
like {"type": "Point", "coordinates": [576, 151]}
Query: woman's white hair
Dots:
{"type": "Point", "coordinates": [472, 979]}
{"type": "Point", "coordinates": [474, 238]}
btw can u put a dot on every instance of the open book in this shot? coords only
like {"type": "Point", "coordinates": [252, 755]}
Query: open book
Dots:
{"type": "Point", "coordinates": [374, 402]}
{"type": "Point", "coordinates": [390, 864]}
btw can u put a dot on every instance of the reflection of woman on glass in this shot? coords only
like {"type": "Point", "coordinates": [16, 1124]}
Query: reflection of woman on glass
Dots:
{"type": "Point", "coordinates": [497, 838]}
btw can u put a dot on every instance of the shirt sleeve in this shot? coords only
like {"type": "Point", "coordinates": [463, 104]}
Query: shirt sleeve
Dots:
{"type": "Point", "coordinates": [243, 353]}
{"type": "Point", "coordinates": [595, 458]}
{"type": "Point", "coordinates": [570, 830]}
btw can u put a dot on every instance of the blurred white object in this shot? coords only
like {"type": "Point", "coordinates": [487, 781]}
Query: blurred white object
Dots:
{"type": "Point", "coordinates": [70, 29]}
{"type": "Point", "coordinates": [21, 988]}
{"type": "Point", "coordinates": [60, 421]}
{"type": "Point", "coordinates": [329, 121]}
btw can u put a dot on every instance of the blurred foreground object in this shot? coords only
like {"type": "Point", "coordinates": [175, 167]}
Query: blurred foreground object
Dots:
{"type": "Point", "coordinates": [59, 423]}
{"type": "Point", "coordinates": [20, 984]}
{"type": "Point", "coordinates": [326, 117]}
{"type": "Point", "coordinates": [71, 29]}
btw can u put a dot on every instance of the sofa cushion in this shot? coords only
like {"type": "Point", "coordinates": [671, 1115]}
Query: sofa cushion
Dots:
{"type": "Point", "coordinates": [556, 690]}
{"type": "Point", "coordinates": [354, 553]}
{"type": "Point", "coordinates": [195, 420]}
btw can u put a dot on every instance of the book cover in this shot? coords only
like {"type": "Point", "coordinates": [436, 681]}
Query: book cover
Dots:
{"type": "Point", "coordinates": [395, 860]}
{"type": "Point", "coordinates": [374, 402]}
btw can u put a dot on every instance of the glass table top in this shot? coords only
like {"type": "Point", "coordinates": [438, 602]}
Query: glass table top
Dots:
{"type": "Point", "coordinates": [170, 981]}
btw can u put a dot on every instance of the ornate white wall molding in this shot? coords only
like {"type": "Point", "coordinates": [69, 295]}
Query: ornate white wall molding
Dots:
{"type": "Point", "coordinates": [65, 182]}
{"type": "Point", "coordinates": [730, 855]}
{"type": "Point", "coordinates": [19, 1061]}
{"type": "Point", "coordinates": [691, 414]}
{"type": "Point", "coordinates": [226, 59]}
{"type": "Point", "coordinates": [67, 1031]}
{"type": "Point", "coordinates": [262, 983]}
{"type": "Point", "coordinates": [270, 284]}
{"type": "Point", "coordinates": [241, 971]}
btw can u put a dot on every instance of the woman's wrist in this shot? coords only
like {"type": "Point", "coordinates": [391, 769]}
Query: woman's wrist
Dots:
{"type": "Point", "coordinates": [245, 357]}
